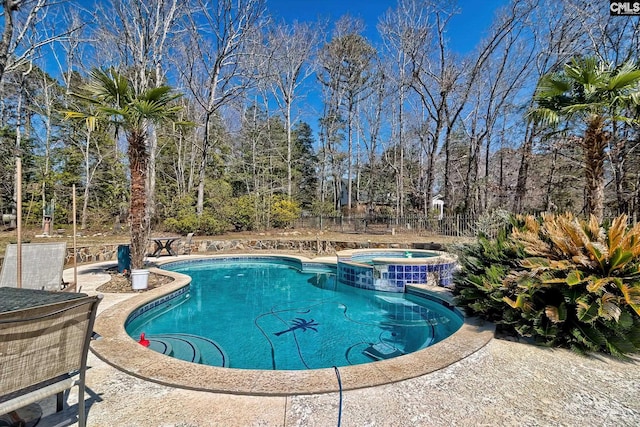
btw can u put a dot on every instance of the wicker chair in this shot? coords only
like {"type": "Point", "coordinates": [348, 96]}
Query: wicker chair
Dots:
{"type": "Point", "coordinates": [43, 351]}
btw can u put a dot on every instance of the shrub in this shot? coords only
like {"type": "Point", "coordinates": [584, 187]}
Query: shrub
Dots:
{"type": "Point", "coordinates": [561, 281]}
{"type": "Point", "coordinates": [284, 212]}
{"type": "Point", "coordinates": [480, 284]}
{"type": "Point", "coordinates": [186, 220]}
{"type": "Point", "coordinates": [319, 208]}
{"type": "Point", "coordinates": [182, 225]}
{"type": "Point", "coordinates": [490, 223]}
{"type": "Point", "coordinates": [243, 213]}
{"type": "Point", "coordinates": [210, 224]}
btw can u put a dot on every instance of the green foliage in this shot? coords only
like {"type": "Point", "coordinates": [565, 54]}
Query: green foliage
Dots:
{"type": "Point", "coordinates": [212, 221]}
{"type": "Point", "coordinates": [305, 164]}
{"type": "Point", "coordinates": [284, 212]}
{"type": "Point", "coordinates": [190, 223]}
{"type": "Point", "coordinates": [185, 219]}
{"type": "Point", "coordinates": [7, 168]}
{"type": "Point", "coordinates": [480, 286]}
{"type": "Point", "coordinates": [559, 280]}
{"type": "Point", "coordinates": [586, 87]}
{"type": "Point", "coordinates": [211, 224]}
{"type": "Point", "coordinates": [319, 208]}
{"type": "Point", "coordinates": [243, 212]}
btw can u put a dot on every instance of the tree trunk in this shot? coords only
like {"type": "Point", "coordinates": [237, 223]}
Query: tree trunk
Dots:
{"type": "Point", "coordinates": [5, 43]}
{"type": "Point", "coordinates": [87, 171]}
{"type": "Point", "coordinates": [152, 140]}
{"type": "Point", "coordinates": [523, 171]}
{"type": "Point", "coordinates": [349, 156]}
{"type": "Point", "coordinates": [547, 197]}
{"type": "Point", "coordinates": [138, 216]}
{"type": "Point", "coordinates": [595, 143]}
{"type": "Point", "coordinates": [202, 170]}
{"type": "Point", "coordinates": [619, 155]}
{"type": "Point", "coordinates": [447, 166]}
{"type": "Point", "coordinates": [289, 153]}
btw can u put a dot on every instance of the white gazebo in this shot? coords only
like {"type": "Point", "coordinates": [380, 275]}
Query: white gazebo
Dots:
{"type": "Point", "coordinates": [438, 203]}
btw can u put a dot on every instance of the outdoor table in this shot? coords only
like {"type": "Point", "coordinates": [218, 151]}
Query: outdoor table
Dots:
{"type": "Point", "coordinates": [164, 243]}
{"type": "Point", "coordinates": [12, 299]}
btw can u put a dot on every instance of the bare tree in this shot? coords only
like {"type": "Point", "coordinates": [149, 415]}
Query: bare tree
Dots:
{"type": "Point", "coordinates": [290, 50]}
{"type": "Point", "coordinates": [556, 33]}
{"type": "Point", "coordinates": [347, 63]}
{"type": "Point", "coordinates": [500, 78]}
{"type": "Point", "coordinates": [21, 17]}
{"type": "Point", "coordinates": [415, 35]}
{"type": "Point", "coordinates": [407, 35]}
{"type": "Point", "coordinates": [212, 63]}
{"type": "Point", "coordinates": [372, 120]}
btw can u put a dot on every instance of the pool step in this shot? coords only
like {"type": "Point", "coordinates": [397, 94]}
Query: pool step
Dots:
{"type": "Point", "coordinates": [401, 309]}
{"type": "Point", "coordinates": [192, 348]}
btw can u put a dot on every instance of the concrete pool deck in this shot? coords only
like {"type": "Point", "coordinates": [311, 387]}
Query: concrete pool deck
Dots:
{"type": "Point", "coordinates": [502, 383]}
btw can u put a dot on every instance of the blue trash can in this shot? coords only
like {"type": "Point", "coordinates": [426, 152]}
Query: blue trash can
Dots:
{"type": "Point", "coordinates": [124, 258]}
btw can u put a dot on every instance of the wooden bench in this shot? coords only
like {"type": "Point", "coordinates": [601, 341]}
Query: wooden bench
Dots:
{"type": "Point", "coordinates": [44, 341]}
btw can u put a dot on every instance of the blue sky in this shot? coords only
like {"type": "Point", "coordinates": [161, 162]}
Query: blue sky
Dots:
{"type": "Point", "coordinates": [466, 29]}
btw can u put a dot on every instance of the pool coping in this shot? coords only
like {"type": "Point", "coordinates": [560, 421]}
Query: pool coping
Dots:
{"type": "Point", "coordinates": [118, 349]}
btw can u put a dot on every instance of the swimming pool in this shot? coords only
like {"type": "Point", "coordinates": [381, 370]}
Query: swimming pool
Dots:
{"type": "Point", "coordinates": [278, 314]}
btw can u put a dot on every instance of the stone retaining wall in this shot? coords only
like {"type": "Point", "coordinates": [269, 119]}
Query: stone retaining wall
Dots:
{"type": "Point", "coordinates": [309, 247]}
{"type": "Point", "coordinates": [315, 247]}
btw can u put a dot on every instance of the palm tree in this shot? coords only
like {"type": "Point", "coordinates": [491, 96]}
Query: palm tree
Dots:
{"type": "Point", "coordinates": [117, 101]}
{"type": "Point", "coordinates": [598, 95]}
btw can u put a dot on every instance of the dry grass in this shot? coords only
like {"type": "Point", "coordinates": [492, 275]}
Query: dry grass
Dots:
{"type": "Point", "coordinates": [96, 237]}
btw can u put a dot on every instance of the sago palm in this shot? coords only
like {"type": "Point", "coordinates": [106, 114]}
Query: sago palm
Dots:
{"type": "Point", "coordinates": [116, 100]}
{"type": "Point", "coordinates": [597, 94]}
{"type": "Point", "coordinates": [558, 280]}
{"type": "Point", "coordinates": [580, 281]}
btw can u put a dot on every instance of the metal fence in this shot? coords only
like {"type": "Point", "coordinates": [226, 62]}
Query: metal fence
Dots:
{"type": "Point", "coordinates": [455, 225]}
{"type": "Point", "coordinates": [489, 223]}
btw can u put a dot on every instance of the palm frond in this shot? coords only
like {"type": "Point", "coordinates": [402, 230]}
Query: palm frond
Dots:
{"type": "Point", "coordinates": [160, 94]}
{"type": "Point", "coordinates": [609, 308]}
{"type": "Point", "coordinates": [546, 116]}
{"type": "Point", "coordinates": [624, 79]}
{"type": "Point", "coordinates": [551, 86]}
{"type": "Point", "coordinates": [583, 107]}
{"type": "Point", "coordinates": [631, 295]}
{"type": "Point", "coordinates": [69, 115]}
{"type": "Point", "coordinates": [108, 86]}
{"type": "Point", "coordinates": [586, 71]}
{"type": "Point", "coordinates": [592, 229]}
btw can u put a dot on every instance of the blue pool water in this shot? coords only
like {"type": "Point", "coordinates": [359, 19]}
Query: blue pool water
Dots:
{"type": "Point", "coordinates": [368, 257]}
{"type": "Point", "coordinates": [270, 315]}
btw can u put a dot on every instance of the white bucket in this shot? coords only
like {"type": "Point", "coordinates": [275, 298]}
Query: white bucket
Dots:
{"type": "Point", "coordinates": [139, 279]}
